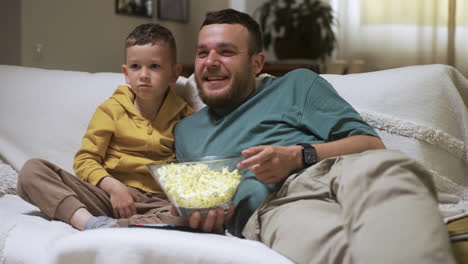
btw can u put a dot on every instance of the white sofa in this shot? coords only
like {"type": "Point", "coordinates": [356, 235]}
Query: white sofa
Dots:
{"type": "Point", "coordinates": [420, 110]}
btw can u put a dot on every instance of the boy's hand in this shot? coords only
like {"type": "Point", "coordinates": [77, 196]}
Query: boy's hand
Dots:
{"type": "Point", "coordinates": [122, 198]}
{"type": "Point", "coordinates": [270, 163]}
{"type": "Point", "coordinates": [213, 222]}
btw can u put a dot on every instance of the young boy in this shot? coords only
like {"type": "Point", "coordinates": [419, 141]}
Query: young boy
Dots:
{"type": "Point", "coordinates": [132, 128]}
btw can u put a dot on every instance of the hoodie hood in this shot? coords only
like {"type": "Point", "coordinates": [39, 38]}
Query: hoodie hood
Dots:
{"type": "Point", "coordinates": [125, 97]}
{"type": "Point", "coordinates": [170, 107]}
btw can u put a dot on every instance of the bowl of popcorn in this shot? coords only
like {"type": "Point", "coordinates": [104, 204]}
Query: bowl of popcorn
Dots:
{"type": "Point", "coordinates": [200, 185]}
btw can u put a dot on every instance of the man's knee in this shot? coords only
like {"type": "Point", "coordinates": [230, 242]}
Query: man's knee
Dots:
{"type": "Point", "coordinates": [382, 156]}
{"type": "Point", "coordinates": [393, 162]}
{"type": "Point", "coordinates": [388, 165]}
{"type": "Point", "coordinates": [376, 163]}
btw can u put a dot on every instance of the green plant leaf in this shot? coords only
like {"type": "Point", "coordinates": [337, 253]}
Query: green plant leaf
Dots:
{"type": "Point", "coordinates": [305, 26]}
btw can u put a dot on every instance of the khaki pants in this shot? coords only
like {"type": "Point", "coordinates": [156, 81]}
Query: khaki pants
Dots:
{"type": "Point", "coordinates": [59, 194]}
{"type": "Point", "coordinates": [375, 207]}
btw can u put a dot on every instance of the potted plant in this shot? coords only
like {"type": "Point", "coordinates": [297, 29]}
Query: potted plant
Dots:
{"type": "Point", "coordinates": [298, 29]}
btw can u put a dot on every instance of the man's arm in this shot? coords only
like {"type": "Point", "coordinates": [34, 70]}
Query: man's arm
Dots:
{"type": "Point", "coordinates": [349, 145]}
{"type": "Point", "coordinates": [272, 164]}
{"type": "Point", "coordinates": [213, 222]}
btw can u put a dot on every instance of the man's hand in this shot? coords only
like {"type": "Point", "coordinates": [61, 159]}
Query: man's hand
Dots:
{"type": "Point", "coordinates": [270, 163]}
{"type": "Point", "coordinates": [213, 222]}
{"type": "Point", "coordinates": [122, 197]}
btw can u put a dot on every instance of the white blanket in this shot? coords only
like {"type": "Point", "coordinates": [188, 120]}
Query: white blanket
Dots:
{"type": "Point", "coordinates": [27, 237]}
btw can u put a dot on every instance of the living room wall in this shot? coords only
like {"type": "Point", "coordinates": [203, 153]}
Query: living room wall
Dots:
{"type": "Point", "coordinates": [88, 35]}
{"type": "Point", "coordinates": [10, 32]}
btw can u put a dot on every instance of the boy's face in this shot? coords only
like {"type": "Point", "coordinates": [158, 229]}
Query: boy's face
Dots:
{"type": "Point", "coordinates": [149, 70]}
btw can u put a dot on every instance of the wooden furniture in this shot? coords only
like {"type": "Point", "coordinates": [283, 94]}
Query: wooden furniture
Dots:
{"type": "Point", "coordinates": [275, 69]}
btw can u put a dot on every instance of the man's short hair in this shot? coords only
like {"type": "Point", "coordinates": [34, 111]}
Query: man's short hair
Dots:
{"type": "Point", "coordinates": [152, 34]}
{"type": "Point", "coordinates": [231, 16]}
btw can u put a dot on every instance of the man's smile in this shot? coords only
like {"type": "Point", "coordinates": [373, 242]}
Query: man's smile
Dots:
{"type": "Point", "coordinates": [214, 78]}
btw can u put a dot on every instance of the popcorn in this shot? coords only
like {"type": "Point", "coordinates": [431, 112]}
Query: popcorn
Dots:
{"type": "Point", "coordinates": [197, 186]}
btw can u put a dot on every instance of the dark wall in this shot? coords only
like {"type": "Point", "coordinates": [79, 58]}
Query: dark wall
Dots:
{"type": "Point", "coordinates": [10, 32]}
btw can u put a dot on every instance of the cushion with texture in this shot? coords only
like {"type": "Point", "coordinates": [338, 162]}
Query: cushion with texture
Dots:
{"type": "Point", "coordinates": [420, 110]}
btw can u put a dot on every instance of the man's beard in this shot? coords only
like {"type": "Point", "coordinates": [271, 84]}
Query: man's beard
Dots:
{"type": "Point", "coordinates": [234, 96]}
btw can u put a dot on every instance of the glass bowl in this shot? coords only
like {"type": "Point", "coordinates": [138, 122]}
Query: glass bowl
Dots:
{"type": "Point", "coordinates": [200, 185]}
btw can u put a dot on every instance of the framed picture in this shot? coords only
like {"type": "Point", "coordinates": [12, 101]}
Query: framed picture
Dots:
{"type": "Point", "coordinates": [176, 10]}
{"type": "Point", "coordinates": [134, 7]}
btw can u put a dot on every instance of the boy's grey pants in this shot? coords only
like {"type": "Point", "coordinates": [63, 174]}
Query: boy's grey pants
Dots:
{"type": "Point", "coordinates": [59, 194]}
{"type": "Point", "coordinates": [374, 207]}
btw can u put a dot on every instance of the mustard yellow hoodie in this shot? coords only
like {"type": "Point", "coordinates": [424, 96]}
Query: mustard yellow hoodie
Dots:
{"type": "Point", "coordinates": [119, 141]}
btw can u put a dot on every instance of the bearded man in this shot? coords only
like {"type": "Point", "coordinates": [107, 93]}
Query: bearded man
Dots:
{"type": "Point", "coordinates": [320, 187]}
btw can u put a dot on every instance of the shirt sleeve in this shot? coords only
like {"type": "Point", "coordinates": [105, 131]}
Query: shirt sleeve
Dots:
{"type": "Point", "coordinates": [328, 116]}
{"type": "Point", "coordinates": [88, 162]}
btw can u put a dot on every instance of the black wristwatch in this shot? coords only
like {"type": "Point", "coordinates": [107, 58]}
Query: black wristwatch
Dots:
{"type": "Point", "coordinates": [309, 155]}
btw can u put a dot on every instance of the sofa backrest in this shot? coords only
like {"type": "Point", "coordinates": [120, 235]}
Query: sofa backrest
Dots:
{"type": "Point", "coordinates": [45, 113]}
{"type": "Point", "coordinates": [420, 110]}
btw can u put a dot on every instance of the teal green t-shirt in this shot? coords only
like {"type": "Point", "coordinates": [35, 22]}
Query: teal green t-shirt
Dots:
{"type": "Point", "coordinates": [300, 107]}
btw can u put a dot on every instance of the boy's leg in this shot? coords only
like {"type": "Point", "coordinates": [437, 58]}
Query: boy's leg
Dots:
{"type": "Point", "coordinates": [375, 207]}
{"type": "Point", "coordinates": [58, 193]}
{"type": "Point", "coordinates": [152, 209]}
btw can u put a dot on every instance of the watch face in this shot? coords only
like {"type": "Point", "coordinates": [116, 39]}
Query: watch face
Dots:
{"type": "Point", "coordinates": [309, 155]}
{"type": "Point", "coordinates": [309, 158]}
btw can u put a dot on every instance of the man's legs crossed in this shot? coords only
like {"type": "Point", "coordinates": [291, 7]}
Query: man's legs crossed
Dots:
{"type": "Point", "coordinates": [390, 210]}
{"type": "Point", "coordinates": [382, 209]}
{"type": "Point", "coordinates": [302, 221]}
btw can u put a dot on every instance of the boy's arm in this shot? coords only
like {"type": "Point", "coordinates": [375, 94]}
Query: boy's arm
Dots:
{"type": "Point", "coordinates": [88, 162]}
{"type": "Point", "coordinates": [122, 197]}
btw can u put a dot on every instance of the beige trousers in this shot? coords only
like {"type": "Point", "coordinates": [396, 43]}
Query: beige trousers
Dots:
{"type": "Point", "coordinates": [59, 194]}
{"type": "Point", "coordinates": [374, 207]}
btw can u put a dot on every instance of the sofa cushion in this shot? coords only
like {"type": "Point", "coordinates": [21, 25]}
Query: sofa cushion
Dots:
{"type": "Point", "coordinates": [420, 110]}
{"type": "Point", "coordinates": [45, 113]}
{"type": "Point", "coordinates": [8, 178]}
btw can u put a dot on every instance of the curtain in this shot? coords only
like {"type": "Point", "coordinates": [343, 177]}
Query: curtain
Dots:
{"type": "Point", "coordinates": [394, 33]}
